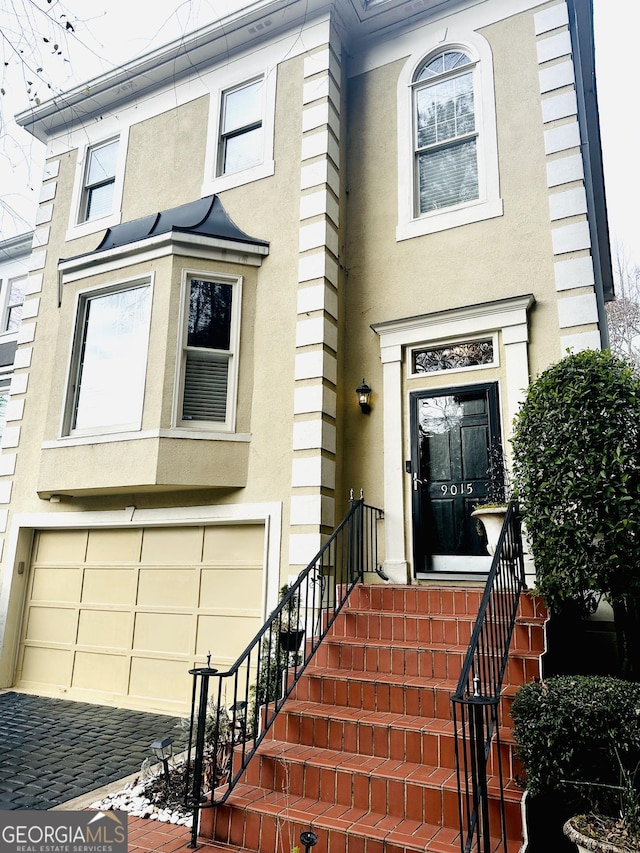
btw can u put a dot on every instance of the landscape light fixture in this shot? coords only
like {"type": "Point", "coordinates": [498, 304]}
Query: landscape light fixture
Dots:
{"type": "Point", "coordinates": [309, 839]}
{"type": "Point", "coordinates": [364, 394]}
{"type": "Point", "coordinates": [163, 750]}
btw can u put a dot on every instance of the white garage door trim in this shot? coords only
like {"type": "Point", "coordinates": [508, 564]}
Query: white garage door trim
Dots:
{"type": "Point", "coordinates": [18, 547]}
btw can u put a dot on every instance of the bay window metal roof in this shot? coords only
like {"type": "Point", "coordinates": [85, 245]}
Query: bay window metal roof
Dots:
{"type": "Point", "coordinates": [205, 217]}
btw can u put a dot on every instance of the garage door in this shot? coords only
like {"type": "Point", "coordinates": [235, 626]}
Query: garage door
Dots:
{"type": "Point", "coordinates": [120, 616]}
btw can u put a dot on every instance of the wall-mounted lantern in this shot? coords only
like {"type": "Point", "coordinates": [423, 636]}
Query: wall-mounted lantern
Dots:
{"type": "Point", "coordinates": [364, 395]}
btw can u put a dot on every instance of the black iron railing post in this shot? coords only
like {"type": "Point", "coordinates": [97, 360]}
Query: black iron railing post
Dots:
{"type": "Point", "coordinates": [356, 543]}
{"type": "Point", "coordinates": [195, 802]}
{"type": "Point", "coordinates": [476, 702]}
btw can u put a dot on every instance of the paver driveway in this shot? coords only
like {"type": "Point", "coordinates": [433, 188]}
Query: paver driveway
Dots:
{"type": "Point", "coordinates": [53, 750]}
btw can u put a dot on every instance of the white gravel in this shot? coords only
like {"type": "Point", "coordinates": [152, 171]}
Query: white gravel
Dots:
{"type": "Point", "coordinates": [137, 798]}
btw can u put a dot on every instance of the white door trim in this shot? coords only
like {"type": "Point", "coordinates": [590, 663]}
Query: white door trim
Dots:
{"type": "Point", "coordinates": [509, 316]}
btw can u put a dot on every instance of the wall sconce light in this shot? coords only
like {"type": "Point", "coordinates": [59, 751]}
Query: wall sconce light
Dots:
{"type": "Point", "coordinates": [364, 394]}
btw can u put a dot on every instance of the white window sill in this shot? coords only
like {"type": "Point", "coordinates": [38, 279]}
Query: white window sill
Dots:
{"type": "Point", "coordinates": [238, 179]}
{"type": "Point", "coordinates": [104, 438]}
{"type": "Point", "coordinates": [204, 433]}
{"type": "Point", "coordinates": [92, 226]}
{"type": "Point", "coordinates": [438, 220]}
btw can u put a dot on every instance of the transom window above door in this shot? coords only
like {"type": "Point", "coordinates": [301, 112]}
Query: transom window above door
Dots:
{"type": "Point", "coordinates": [445, 132]}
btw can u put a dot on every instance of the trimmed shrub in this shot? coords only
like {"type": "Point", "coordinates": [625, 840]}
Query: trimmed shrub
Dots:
{"type": "Point", "coordinates": [576, 464]}
{"type": "Point", "coordinates": [574, 731]}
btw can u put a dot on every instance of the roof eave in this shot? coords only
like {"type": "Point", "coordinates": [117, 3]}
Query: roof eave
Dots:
{"type": "Point", "coordinates": [174, 61]}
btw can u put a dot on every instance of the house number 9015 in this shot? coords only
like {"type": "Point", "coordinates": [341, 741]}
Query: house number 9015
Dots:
{"type": "Point", "coordinates": [457, 489]}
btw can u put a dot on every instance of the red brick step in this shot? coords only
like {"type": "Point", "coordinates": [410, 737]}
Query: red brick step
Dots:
{"type": "Point", "coordinates": [363, 751]}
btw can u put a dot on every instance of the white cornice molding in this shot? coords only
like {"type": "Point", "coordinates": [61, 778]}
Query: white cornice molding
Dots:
{"type": "Point", "coordinates": [422, 23]}
{"type": "Point", "coordinates": [173, 243]}
{"type": "Point", "coordinates": [485, 316]}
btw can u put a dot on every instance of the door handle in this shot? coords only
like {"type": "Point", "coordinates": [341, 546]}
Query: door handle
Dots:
{"type": "Point", "coordinates": [417, 482]}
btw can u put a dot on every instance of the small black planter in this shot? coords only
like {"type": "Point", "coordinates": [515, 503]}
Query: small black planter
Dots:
{"type": "Point", "coordinates": [290, 641]}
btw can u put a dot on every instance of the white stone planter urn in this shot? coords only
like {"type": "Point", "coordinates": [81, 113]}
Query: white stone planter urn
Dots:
{"type": "Point", "coordinates": [585, 844]}
{"type": "Point", "coordinates": [492, 518]}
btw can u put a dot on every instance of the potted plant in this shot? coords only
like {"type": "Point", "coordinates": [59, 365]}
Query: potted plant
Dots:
{"type": "Point", "coordinates": [578, 738]}
{"type": "Point", "coordinates": [596, 833]}
{"type": "Point", "coordinates": [278, 651]}
{"type": "Point", "coordinates": [291, 632]}
{"type": "Point", "coordinates": [491, 513]}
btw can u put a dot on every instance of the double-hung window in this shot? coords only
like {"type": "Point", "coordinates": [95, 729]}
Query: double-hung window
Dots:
{"type": "Point", "coordinates": [209, 352]}
{"type": "Point", "coordinates": [109, 360]}
{"type": "Point", "coordinates": [5, 383]}
{"type": "Point", "coordinates": [445, 132]}
{"type": "Point", "coordinates": [240, 144]}
{"type": "Point", "coordinates": [14, 305]}
{"type": "Point", "coordinates": [99, 181]}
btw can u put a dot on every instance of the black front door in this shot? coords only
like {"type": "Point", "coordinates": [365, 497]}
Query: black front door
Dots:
{"type": "Point", "coordinates": [452, 431]}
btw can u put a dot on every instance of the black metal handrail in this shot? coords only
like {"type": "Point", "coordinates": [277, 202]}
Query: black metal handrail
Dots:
{"type": "Point", "coordinates": [476, 702]}
{"type": "Point", "coordinates": [226, 729]}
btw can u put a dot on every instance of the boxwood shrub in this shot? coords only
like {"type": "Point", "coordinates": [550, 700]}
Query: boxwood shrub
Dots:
{"type": "Point", "coordinates": [576, 449]}
{"type": "Point", "coordinates": [573, 730]}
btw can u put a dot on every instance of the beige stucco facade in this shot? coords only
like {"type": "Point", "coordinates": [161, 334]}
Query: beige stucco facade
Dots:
{"type": "Point", "coordinates": [338, 279]}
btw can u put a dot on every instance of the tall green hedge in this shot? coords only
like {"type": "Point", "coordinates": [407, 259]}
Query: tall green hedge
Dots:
{"type": "Point", "coordinates": [576, 450]}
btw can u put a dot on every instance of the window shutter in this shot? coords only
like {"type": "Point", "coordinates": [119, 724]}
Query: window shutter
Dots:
{"type": "Point", "coordinates": [205, 387]}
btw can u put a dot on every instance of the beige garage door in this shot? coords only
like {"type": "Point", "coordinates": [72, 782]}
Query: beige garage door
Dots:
{"type": "Point", "coordinates": [120, 616]}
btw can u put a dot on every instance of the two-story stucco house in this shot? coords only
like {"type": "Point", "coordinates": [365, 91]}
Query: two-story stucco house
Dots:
{"type": "Point", "coordinates": [234, 231]}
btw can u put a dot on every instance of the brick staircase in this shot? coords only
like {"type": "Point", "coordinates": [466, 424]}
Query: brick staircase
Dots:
{"type": "Point", "coordinates": [363, 751]}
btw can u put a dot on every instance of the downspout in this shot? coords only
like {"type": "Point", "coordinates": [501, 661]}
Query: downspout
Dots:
{"type": "Point", "coordinates": [582, 41]}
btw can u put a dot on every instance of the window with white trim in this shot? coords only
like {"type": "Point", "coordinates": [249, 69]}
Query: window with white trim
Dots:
{"type": "Point", "coordinates": [448, 172]}
{"type": "Point", "coordinates": [109, 360]}
{"type": "Point", "coordinates": [16, 289]}
{"type": "Point", "coordinates": [445, 132]}
{"type": "Point", "coordinates": [5, 383]}
{"type": "Point", "coordinates": [99, 181]}
{"type": "Point", "coordinates": [241, 118]}
{"type": "Point", "coordinates": [209, 352]}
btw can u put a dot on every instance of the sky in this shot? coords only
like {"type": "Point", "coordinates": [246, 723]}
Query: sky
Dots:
{"type": "Point", "coordinates": [103, 39]}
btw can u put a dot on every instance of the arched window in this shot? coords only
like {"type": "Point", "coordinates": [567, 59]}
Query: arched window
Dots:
{"type": "Point", "coordinates": [445, 132]}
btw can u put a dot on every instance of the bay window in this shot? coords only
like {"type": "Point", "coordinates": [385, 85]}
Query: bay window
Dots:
{"type": "Point", "coordinates": [209, 352]}
{"type": "Point", "coordinates": [109, 360]}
